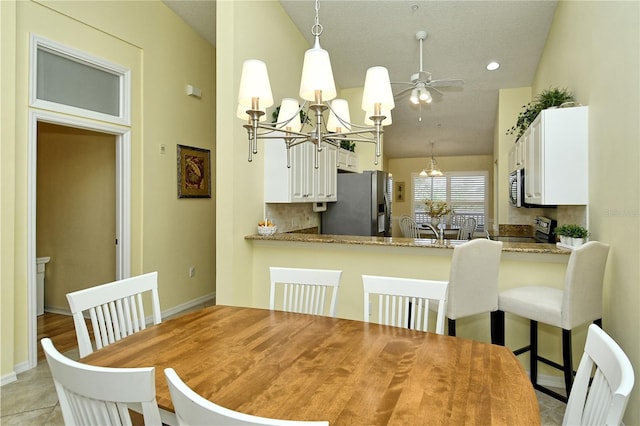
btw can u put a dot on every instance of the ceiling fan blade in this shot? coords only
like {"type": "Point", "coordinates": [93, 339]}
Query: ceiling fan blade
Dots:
{"type": "Point", "coordinates": [447, 82]}
{"type": "Point", "coordinates": [402, 82]}
{"type": "Point", "coordinates": [402, 92]}
{"type": "Point", "coordinates": [436, 92]}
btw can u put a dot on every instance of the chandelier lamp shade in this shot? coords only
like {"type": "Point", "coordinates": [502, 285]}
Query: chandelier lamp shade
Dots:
{"type": "Point", "coordinates": [318, 90]}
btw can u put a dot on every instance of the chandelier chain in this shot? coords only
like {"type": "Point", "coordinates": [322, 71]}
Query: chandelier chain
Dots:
{"type": "Point", "coordinates": [316, 29]}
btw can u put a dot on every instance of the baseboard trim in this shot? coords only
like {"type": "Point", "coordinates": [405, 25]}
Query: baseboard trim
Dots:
{"type": "Point", "coordinates": [149, 319]}
{"type": "Point", "coordinates": [8, 378]}
{"type": "Point", "coordinates": [188, 305]}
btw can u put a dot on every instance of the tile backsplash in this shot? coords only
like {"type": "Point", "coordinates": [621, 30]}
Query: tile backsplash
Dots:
{"type": "Point", "coordinates": [293, 216]}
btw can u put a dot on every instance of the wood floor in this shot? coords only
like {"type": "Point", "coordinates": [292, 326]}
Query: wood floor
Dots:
{"type": "Point", "coordinates": [60, 329]}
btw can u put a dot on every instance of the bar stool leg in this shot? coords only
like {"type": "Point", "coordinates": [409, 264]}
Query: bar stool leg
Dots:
{"type": "Point", "coordinates": [533, 354]}
{"type": "Point", "coordinates": [497, 328]}
{"type": "Point", "coordinates": [567, 360]}
{"type": "Point", "coordinates": [451, 325]}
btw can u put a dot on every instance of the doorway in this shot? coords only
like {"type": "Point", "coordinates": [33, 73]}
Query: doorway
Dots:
{"type": "Point", "coordinates": [75, 211]}
{"type": "Point", "coordinates": [52, 126]}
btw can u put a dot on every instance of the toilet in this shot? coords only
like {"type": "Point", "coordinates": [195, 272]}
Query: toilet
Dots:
{"type": "Point", "coordinates": [41, 263]}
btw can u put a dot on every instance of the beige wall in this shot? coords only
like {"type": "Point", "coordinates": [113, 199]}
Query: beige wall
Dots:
{"type": "Point", "coordinates": [593, 50]}
{"type": "Point", "coordinates": [242, 30]}
{"type": "Point", "coordinates": [164, 55]}
{"type": "Point", "coordinates": [402, 168]}
{"type": "Point", "coordinates": [76, 210]}
{"type": "Point", "coordinates": [7, 185]}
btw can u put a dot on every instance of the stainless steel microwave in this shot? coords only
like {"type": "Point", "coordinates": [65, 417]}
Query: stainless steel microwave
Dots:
{"type": "Point", "coordinates": [516, 188]}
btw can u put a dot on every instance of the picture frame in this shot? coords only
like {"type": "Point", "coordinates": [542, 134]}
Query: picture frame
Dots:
{"type": "Point", "coordinates": [194, 172]}
{"type": "Point", "coordinates": [399, 192]}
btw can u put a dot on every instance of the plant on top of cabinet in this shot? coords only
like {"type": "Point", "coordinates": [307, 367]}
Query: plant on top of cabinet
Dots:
{"type": "Point", "coordinates": [552, 97]}
{"type": "Point", "coordinates": [348, 145]}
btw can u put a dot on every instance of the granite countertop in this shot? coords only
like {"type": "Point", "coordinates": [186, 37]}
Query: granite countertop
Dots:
{"type": "Point", "coordinates": [401, 242]}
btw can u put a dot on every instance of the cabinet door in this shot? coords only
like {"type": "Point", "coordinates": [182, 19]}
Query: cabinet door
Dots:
{"type": "Point", "coordinates": [302, 165]}
{"type": "Point", "coordinates": [326, 176]}
{"type": "Point", "coordinates": [536, 146]}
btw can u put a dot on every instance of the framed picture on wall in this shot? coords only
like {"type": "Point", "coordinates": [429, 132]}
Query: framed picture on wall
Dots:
{"type": "Point", "coordinates": [194, 172]}
{"type": "Point", "coordinates": [399, 192]}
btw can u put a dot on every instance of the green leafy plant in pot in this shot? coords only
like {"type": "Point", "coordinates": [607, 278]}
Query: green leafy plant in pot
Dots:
{"type": "Point", "coordinates": [572, 234]}
{"type": "Point", "coordinates": [552, 97]}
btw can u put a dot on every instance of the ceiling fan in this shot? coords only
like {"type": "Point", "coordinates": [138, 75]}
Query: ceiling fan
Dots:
{"type": "Point", "coordinates": [422, 86]}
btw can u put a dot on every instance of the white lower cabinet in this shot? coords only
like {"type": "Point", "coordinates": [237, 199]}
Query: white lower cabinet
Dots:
{"type": "Point", "coordinates": [302, 182]}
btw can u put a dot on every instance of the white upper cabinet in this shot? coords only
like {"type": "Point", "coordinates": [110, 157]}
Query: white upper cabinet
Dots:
{"type": "Point", "coordinates": [347, 160]}
{"type": "Point", "coordinates": [556, 159]}
{"type": "Point", "coordinates": [302, 182]}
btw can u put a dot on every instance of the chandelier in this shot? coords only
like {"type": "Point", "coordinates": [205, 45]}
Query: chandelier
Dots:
{"type": "Point", "coordinates": [317, 88]}
{"type": "Point", "coordinates": [432, 169]}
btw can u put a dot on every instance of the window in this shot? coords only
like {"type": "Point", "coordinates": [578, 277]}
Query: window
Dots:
{"type": "Point", "coordinates": [465, 192]}
{"type": "Point", "coordinates": [69, 81]}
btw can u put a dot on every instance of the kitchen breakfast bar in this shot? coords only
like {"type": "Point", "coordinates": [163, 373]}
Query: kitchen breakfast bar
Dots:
{"type": "Point", "coordinates": [521, 264]}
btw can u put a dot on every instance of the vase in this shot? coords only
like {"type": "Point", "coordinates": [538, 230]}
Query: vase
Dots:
{"type": "Point", "coordinates": [435, 221]}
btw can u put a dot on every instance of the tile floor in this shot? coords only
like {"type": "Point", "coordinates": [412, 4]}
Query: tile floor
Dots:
{"type": "Point", "coordinates": [32, 400]}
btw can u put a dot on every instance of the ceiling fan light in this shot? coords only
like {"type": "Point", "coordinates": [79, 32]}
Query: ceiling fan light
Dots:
{"type": "Point", "coordinates": [424, 95]}
{"type": "Point", "coordinates": [427, 98]}
{"type": "Point", "coordinates": [415, 99]}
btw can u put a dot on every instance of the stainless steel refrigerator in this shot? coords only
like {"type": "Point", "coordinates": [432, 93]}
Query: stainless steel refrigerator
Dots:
{"type": "Point", "coordinates": [363, 206]}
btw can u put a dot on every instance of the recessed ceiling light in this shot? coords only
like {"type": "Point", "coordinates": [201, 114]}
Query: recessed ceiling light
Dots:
{"type": "Point", "coordinates": [493, 65]}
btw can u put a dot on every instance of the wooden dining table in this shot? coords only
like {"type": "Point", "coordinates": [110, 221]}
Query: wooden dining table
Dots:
{"type": "Point", "coordinates": [307, 367]}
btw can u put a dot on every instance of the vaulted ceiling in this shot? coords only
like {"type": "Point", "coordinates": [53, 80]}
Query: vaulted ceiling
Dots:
{"type": "Point", "coordinates": [462, 38]}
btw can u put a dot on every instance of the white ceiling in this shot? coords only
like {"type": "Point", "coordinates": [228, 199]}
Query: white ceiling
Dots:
{"type": "Point", "coordinates": [463, 36]}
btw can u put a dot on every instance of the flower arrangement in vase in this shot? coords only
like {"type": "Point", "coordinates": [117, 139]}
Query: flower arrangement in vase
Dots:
{"type": "Point", "coordinates": [436, 209]}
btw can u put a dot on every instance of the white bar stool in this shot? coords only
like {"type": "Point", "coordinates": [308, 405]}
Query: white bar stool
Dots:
{"type": "Point", "coordinates": [579, 303]}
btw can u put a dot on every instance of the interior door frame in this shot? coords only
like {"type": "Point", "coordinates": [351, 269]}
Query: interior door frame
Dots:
{"type": "Point", "coordinates": [123, 205]}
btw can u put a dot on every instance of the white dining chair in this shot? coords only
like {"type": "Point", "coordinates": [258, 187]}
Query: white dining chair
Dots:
{"type": "Point", "coordinates": [404, 302]}
{"type": "Point", "coordinates": [600, 400]}
{"type": "Point", "coordinates": [193, 409]}
{"type": "Point", "coordinates": [578, 303]}
{"type": "Point", "coordinates": [473, 284]}
{"type": "Point", "coordinates": [467, 229]}
{"type": "Point", "coordinates": [306, 291]}
{"type": "Point", "coordinates": [91, 395]}
{"type": "Point", "coordinates": [409, 227]}
{"type": "Point", "coordinates": [116, 310]}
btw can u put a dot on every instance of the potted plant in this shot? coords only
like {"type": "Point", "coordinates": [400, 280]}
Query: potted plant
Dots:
{"type": "Point", "coordinates": [552, 97]}
{"type": "Point", "coordinates": [572, 234]}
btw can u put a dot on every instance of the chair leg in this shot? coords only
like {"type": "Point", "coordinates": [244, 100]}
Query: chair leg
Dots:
{"type": "Point", "coordinates": [567, 360]}
{"type": "Point", "coordinates": [497, 328]}
{"type": "Point", "coordinates": [451, 324]}
{"type": "Point", "coordinates": [533, 354]}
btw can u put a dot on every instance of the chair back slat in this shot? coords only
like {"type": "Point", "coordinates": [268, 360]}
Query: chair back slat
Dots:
{"type": "Point", "coordinates": [604, 399]}
{"type": "Point", "coordinates": [307, 291]}
{"type": "Point", "coordinates": [91, 395]}
{"type": "Point", "coordinates": [116, 310]}
{"type": "Point", "coordinates": [404, 302]}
